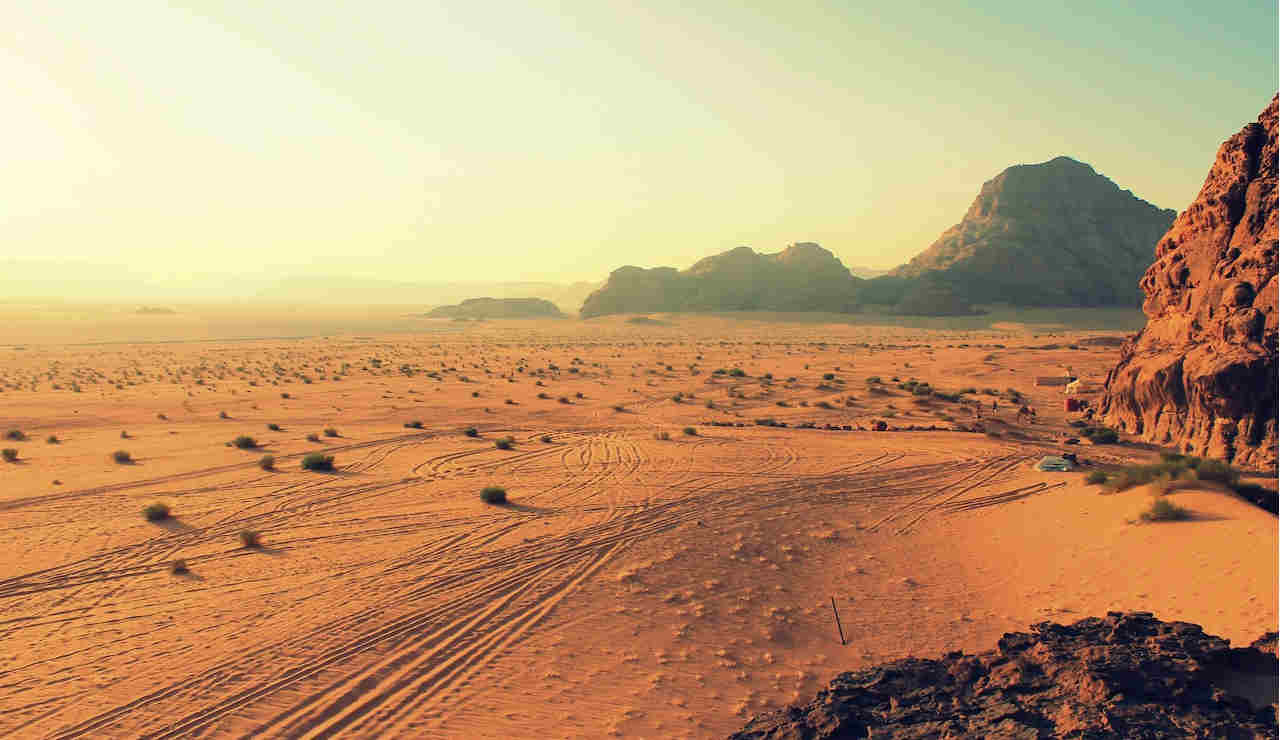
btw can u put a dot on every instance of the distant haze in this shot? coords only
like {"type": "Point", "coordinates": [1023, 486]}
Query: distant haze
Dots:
{"type": "Point", "coordinates": [553, 142]}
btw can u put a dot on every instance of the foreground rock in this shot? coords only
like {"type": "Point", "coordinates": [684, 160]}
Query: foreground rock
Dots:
{"type": "Point", "coordinates": [802, 277]}
{"type": "Point", "coordinates": [1050, 234]}
{"type": "Point", "coordinates": [498, 308]}
{"type": "Point", "coordinates": [1123, 676]}
{"type": "Point", "coordinates": [1202, 375]}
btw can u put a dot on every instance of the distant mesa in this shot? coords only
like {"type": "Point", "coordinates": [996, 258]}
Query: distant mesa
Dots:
{"type": "Point", "coordinates": [1201, 376]}
{"type": "Point", "coordinates": [802, 277]}
{"type": "Point", "coordinates": [1050, 234]}
{"type": "Point", "coordinates": [498, 308]}
{"type": "Point", "coordinates": [156, 311]}
{"type": "Point", "coordinates": [647, 321]}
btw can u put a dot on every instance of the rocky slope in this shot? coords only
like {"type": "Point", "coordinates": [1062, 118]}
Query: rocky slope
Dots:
{"type": "Point", "coordinates": [1051, 234]}
{"type": "Point", "coordinates": [802, 277]}
{"type": "Point", "coordinates": [498, 308]}
{"type": "Point", "coordinates": [1202, 375]}
{"type": "Point", "coordinates": [1122, 676]}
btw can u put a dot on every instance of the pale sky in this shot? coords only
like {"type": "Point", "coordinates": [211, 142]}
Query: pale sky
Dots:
{"type": "Point", "coordinates": [477, 140]}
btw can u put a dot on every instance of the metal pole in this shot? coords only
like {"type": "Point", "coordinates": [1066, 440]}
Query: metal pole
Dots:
{"type": "Point", "coordinates": [837, 613]}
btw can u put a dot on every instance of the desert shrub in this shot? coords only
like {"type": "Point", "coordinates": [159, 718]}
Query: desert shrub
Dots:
{"type": "Point", "coordinates": [273, 427]}
{"type": "Point", "coordinates": [267, 462]}
{"type": "Point", "coordinates": [1095, 478]}
{"type": "Point", "coordinates": [546, 438]}
{"type": "Point", "coordinates": [223, 415]}
{"type": "Point", "coordinates": [162, 417]}
{"type": "Point", "coordinates": [415, 424]}
{"type": "Point", "coordinates": [1164, 510]}
{"type": "Point", "coordinates": [563, 399]}
{"type": "Point", "coordinates": [10, 454]}
{"type": "Point", "coordinates": [579, 394]}
{"type": "Point", "coordinates": [619, 407]}
{"type": "Point", "coordinates": [544, 395]}
{"type": "Point", "coordinates": [250, 538]}
{"type": "Point", "coordinates": [994, 434]}
{"type": "Point", "coordinates": [690, 432]}
{"type": "Point", "coordinates": [475, 394]}
{"type": "Point", "coordinates": [710, 403]}
{"type": "Point", "coordinates": [828, 376]}
{"type": "Point", "coordinates": [179, 567]}
{"type": "Point", "coordinates": [156, 512]}
{"type": "Point", "coordinates": [874, 380]}
{"type": "Point", "coordinates": [284, 395]}
{"type": "Point", "coordinates": [52, 439]}
{"type": "Point", "coordinates": [737, 372]}
{"type": "Point", "coordinates": [122, 457]}
{"type": "Point", "coordinates": [824, 405]}
{"type": "Point", "coordinates": [317, 461]}
{"type": "Point", "coordinates": [17, 435]}
{"type": "Point", "coordinates": [313, 437]}
{"type": "Point", "coordinates": [949, 397]}
{"type": "Point", "coordinates": [471, 432]}
{"type": "Point", "coordinates": [493, 495]}
{"type": "Point", "coordinates": [662, 436]}
{"type": "Point", "coordinates": [331, 432]}
{"type": "Point", "coordinates": [1101, 435]}
{"type": "Point", "coordinates": [1216, 471]}
{"type": "Point", "coordinates": [969, 390]}
{"type": "Point", "coordinates": [505, 443]}
{"type": "Point", "coordinates": [124, 434]}
{"type": "Point", "coordinates": [244, 442]}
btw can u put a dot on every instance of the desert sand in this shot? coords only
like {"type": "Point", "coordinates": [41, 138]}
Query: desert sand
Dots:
{"type": "Point", "coordinates": [634, 585]}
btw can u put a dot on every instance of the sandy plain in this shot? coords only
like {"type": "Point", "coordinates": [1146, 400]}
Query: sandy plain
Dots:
{"type": "Point", "coordinates": [634, 586]}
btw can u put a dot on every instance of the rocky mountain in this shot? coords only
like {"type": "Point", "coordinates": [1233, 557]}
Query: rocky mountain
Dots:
{"type": "Point", "coordinates": [802, 277]}
{"type": "Point", "coordinates": [1201, 375]}
{"type": "Point", "coordinates": [1122, 676]}
{"type": "Point", "coordinates": [498, 308]}
{"type": "Point", "coordinates": [1050, 234]}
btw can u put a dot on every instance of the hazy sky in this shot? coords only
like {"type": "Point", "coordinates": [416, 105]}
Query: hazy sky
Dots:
{"type": "Point", "coordinates": [477, 140]}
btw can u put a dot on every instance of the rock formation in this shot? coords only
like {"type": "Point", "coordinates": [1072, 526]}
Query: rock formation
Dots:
{"type": "Point", "coordinates": [1050, 234]}
{"type": "Point", "coordinates": [1202, 375]}
{"type": "Point", "coordinates": [498, 308]}
{"type": "Point", "coordinates": [1122, 676]}
{"type": "Point", "coordinates": [802, 277]}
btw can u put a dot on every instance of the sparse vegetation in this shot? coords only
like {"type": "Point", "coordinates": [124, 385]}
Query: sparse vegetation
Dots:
{"type": "Point", "coordinates": [313, 437]}
{"type": "Point", "coordinates": [273, 427]}
{"type": "Point", "coordinates": [331, 432]}
{"type": "Point", "coordinates": [250, 538]}
{"type": "Point", "coordinates": [471, 432]}
{"type": "Point", "coordinates": [244, 442]}
{"type": "Point", "coordinates": [317, 461]}
{"type": "Point", "coordinates": [1096, 477]}
{"type": "Point", "coordinates": [9, 454]}
{"type": "Point", "coordinates": [17, 435]}
{"type": "Point", "coordinates": [1164, 510]}
{"type": "Point", "coordinates": [690, 432]}
{"type": "Point", "coordinates": [546, 438]}
{"type": "Point", "coordinates": [415, 424]}
{"type": "Point", "coordinates": [179, 567]}
{"type": "Point", "coordinates": [493, 495]}
{"type": "Point", "coordinates": [505, 443]}
{"type": "Point", "coordinates": [156, 512]}
{"type": "Point", "coordinates": [267, 462]}
{"type": "Point", "coordinates": [1101, 435]}
{"type": "Point", "coordinates": [122, 457]}
{"type": "Point", "coordinates": [52, 439]}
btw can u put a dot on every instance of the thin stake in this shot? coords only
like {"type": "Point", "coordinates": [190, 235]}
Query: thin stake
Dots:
{"type": "Point", "coordinates": [837, 613]}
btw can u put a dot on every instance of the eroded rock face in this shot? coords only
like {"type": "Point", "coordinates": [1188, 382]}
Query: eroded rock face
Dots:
{"type": "Point", "coordinates": [1122, 676]}
{"type": "Point", "coordinates": [1202, 375]}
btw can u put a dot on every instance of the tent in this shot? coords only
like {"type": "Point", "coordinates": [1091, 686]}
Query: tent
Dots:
{"type": "Point", "coordinates": [1053, 463]}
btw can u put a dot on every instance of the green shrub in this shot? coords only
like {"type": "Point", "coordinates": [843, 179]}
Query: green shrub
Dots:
{"type": "Point", "coordinates": [493, 495]}
{"type": "Point", "coordinates": [415, 424]}
{"type": "Point", "coordinates": [244, 442]}
{"type": "Point", "coordinates": [17, 435]}
{"type": "Point", "coordinates": [331, 432]}
{"type": "Point", "coordinates": [1216, 471]}
{"type": "Point", "coordinates": [317, 461]}
{"type": "Point", "coordinates": [52, 439]}
{"type": "Point", "coordinates": [156, 512]}
{"type": "Point", "coordinates": [737, 372]}
{"type": "Point", "coordinates": [313, 437]}
{"type": "Point", "coordinates": [828, 376]}
{"type": "Point", "coordinates": [546, 438]}
{"type": "Point", "coordinates": [690, 432]}
{"type": "Point", "coordinates": [505, 443]}
{"type": "Point", "coordinates": [273, 427]}
{"type": "Point", "coordinates": [9, 454]}
{"type": "Point", "coordinates": [267, 462]}
{"type": "Point", "coordinates": [251, 539]}
{"type": "Point", "coordinates": [1164, 510]}
{"type": "Point", "coordinates": [122, 457]}
{"type": "Point", "coordinates": [1095, 478]}
{"type": "Point", "coordinates": [471, 432]}
{"type": "Point", "coordinates": [1101, 435]}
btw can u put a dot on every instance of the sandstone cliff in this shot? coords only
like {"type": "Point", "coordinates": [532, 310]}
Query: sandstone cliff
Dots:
{"type": "Point", "coordinates": [1122, 676]}
{"type": "Point", "coordinates": [1202, 375]}
{"type": "Point", "coordinates": [1053, 234]}
{"type": "Point", "coordinates": [802, 277]}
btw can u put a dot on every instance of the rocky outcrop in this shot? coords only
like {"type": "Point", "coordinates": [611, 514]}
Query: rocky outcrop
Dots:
{"type": "Point", "coordinates": [498, 308]}
{"type": "Point", "coordinates": [1122, 676]}
{"type": "Point", "coordinates": [802, 277]}
{"type": "Point", "coordinates": [1050, 234]}
{"type": "Point", "coordinates": [1201, 376]}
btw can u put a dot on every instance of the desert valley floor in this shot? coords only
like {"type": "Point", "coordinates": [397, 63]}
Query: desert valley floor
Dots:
{"type": "Point", "coordinates": [633, 585]}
